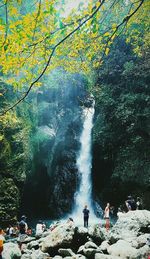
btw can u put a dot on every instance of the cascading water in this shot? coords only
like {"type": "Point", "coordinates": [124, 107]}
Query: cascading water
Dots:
{"type": "Point", "coordinates": [84, 195]}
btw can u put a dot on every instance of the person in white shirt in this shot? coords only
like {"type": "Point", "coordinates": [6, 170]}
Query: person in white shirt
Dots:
{"type": "Point", "coordinates": [39, 228]}
{"type": "Point", "coordinates": [106, 216]}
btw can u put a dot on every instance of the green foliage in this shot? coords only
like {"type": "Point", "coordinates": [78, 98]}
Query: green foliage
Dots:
{"type": "Point", "coordinates": [122, 127]}
{"type": "Point", "coordinates": [9, 201]}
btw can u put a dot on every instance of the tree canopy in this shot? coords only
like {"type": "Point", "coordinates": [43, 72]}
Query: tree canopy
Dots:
{"type": "Point", "coordinates": [38, 37]}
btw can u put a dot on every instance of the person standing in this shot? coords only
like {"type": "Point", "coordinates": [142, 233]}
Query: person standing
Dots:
{"type": "Point", "coordinates": [23, 228]}
{"type": "Point", "coordinates": [139, 203]}
{"type": "Point", "coordinates": [39, 228]}
{"type": "Point", "coordinates": [106, 216]}
{"type": "Point", "coordinates": [86, 216]}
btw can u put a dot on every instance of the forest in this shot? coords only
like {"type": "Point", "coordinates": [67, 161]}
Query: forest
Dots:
{"type": "Point", "coordinates": [55, 55]}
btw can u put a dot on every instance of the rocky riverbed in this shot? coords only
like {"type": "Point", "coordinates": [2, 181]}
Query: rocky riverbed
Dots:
{"type": "Point", "coordinates": [127, 239]}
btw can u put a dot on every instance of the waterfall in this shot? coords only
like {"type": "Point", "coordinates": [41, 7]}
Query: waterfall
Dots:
{"type": "Point", "coordinates": [83, 195]}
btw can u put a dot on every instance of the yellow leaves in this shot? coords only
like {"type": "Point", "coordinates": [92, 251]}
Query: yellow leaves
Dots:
{"type": "Point", "coordinates": [97, 4]}
{"type": "Point", "coordinates": [9, 119]}
{"type": "Point", "coordinates": [114, 25]}
{"type": "Point", "coordinates": [107, 51]}
{"type": "Point", "coordinates": [1, 137]}
{"type": "Point", "coordinates": [2, 28]}
{"type": "Point", "coordinates": [96, 64]}
{"type": "Point", "coordinates": [38, 84]}
{"type": "Point", "coordinates": [113, 36]}
{"type": "Point", "coordinates": [106, 34]}
{"type": "Point", "coordinates": [13, 11]}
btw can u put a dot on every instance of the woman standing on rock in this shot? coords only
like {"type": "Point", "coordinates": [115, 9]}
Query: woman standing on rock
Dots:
{"type": "Point", "coordinates": [106, 216]}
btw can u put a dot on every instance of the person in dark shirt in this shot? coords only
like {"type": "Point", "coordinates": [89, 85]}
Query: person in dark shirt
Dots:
{"type": "Point", "coordinates": [130, 203]}
{"type": "Point", "coordinates": [86, 216]}
{"type": "Point", "coordinates": [23, 227]}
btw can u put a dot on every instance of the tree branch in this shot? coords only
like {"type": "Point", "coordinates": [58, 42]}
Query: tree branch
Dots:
{"type": "Point", "coordinates": [51, 55]}
{"type": "Point", "coordinates": [125, 20]}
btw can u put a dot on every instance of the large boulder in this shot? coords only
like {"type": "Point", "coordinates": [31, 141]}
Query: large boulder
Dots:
{"type": "Point", "coordinates": [130, 225]}
{"type": "Point", "coordinates": [88, 249]}
{"type": "Point", "coordinates": [104, 246]}
{"type": "Point", "coordinates": [11, 251]}
{"type": "Point", "coordinates": [60, 237]}
{"type": "Point", "coordinates": [123, 249]}
{"type": "Point", "coordinates": [97, 233]}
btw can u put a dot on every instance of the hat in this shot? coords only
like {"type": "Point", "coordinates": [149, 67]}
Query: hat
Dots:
{"type": "Point", "coordinates": [23, 217]}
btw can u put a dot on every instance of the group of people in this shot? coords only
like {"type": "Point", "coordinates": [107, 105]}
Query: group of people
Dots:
{"type": "Point", "coordinates": [22, 230]}
{"type": "Point", "coordinates": [130, 203]}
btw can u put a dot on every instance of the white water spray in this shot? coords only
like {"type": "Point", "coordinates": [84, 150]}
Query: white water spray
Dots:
{"type": "Point", "coordinates": [84, 195]}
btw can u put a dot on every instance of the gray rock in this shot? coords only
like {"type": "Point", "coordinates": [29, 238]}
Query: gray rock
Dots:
{"type": "Point", "coordinates": [11, 251]}
{"type": "Point", "coordinates": [26, 256]}
{"type": "Point", "coordinates": [82, 231]}
{"type": "Point", "coordinates": [66, 252]}
{"type": "Point", "coordinates": [80, 250]}
{"type": "Point", "coordinates": [90, 244]}
{"type": "Point", "coordinates": [89, 252]}
{"type": "Point", "coordinates": [142, 240]}
{"type": "Point", "coordinates": [33, 244]}
{"type": "Point", "coordinates": [29, 239]}
{"type": "Point", "coordinates": [123, 249]}
{"type": "Point", "coordinates": [57, 257]}
{"type": "Point", "coordinates": [104, 245]}
{"type": "Point", "coordinates": [143, 252]}
{"type": "Point", "coordinates": [130, 224]}
{"type": "Point", "coordinates": [60, 237]}
{"type": "Point", "coordinates": [97, 232]}
{"type": "Point", "coordinates": [103, 256]}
